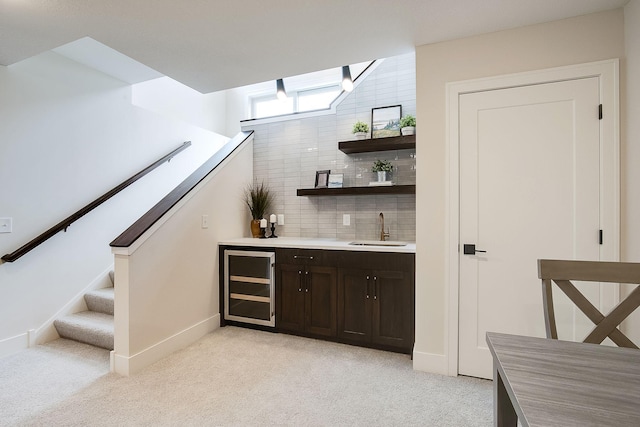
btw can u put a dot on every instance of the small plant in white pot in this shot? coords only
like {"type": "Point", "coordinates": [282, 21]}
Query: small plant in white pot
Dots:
{"type": "Point", "coordinates": [408, 125]}
{"type": "Point", "coordinates": [382, 167]}
{"type": "Point", "coordinates": [360, 130]}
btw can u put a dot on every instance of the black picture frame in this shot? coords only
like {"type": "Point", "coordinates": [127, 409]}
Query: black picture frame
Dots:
{"type": "Point", "coordinates": [322, 178]}
{"type": "Point", "coordinates": [385, 121]}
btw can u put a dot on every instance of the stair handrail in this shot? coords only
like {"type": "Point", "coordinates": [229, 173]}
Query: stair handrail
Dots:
{"type": "Point", "coordinates": [65, 223]}
{"type": "Point", "coordinates": [146, 221]}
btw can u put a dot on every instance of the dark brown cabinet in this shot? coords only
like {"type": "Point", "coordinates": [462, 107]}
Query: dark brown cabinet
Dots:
{"type": "Point", "coordinates": [376, 299]}
{"type": "Point", "coordinates": [355, 297]}
{"type": "Point", "coordinates": [306, 292]}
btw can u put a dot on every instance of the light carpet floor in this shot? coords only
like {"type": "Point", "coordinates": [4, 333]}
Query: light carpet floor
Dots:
{"type": "Point", "coordinates": [236, 377]}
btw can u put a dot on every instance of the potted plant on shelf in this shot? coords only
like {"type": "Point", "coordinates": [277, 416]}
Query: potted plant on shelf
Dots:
{"type": "Point", "coordinates": [408, 125]}
{"type": "Point", "coordinates": [258, 198]}
{"type": "Point", "coordinates": [382, 167]}
{"type": "Point", "coordinates": [360, 130]}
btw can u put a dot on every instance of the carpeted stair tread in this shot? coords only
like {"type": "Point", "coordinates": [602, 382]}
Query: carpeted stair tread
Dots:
{"type": "Point", "coordinates": [100, 300]}
{"type": "Point", "coordinates": [88, 327]}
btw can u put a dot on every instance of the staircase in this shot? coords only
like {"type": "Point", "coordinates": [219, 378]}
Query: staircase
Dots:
{"type": "Point", "coordinates": [94, 326]}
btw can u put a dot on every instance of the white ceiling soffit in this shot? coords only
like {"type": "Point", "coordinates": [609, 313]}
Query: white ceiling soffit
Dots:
{"type": "Point", "coordinates": [96, 55]}
{"type": "Point", "coordinates": [215, 45]}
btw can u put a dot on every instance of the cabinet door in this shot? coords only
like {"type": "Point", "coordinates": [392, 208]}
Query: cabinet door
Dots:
{"type": "Point", "coordinates": [290, 297]}
{"type": "Point", "coordinates": [393, 309]}
{"type": "Point", "coordinates": [355, 297]}
{"type": "Point", "coordinates": [320, 300]}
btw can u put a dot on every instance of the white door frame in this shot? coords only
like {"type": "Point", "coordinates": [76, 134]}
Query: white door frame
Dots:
{"type": "Point", "coordinates": [607, 73]}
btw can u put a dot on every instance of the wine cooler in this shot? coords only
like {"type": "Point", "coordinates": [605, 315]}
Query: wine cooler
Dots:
{"type": "Point", "coordinates": [249, 287]}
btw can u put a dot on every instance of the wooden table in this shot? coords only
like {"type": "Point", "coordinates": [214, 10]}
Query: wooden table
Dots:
{"type": "Point", "coordinates": [545, 382]}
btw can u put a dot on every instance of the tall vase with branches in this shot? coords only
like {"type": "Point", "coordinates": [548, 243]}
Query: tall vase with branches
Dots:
{"type": "Point", "coordinates": [258, 198]}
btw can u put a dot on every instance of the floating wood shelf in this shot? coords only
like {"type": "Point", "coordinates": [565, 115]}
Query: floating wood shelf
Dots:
{"type": "Point", "coordinates": [358, 191]}
{"type": "Point", "coordinates": [378, 144]}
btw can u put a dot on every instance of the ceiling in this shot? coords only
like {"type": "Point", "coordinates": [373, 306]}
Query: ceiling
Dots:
{"type": "Point", "coordinates": [213, 45]}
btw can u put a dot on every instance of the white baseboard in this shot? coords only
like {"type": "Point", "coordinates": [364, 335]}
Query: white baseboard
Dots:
{"type": "Point", "coordinates": [129, 365]}
{"type": "Point", "coordinates": [429, 362]}
{"type": "Point", "coordinates": [14, 344]}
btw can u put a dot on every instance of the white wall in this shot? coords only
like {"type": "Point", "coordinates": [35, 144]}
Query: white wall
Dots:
{"type": "Point", "coordinates": [167, 293]}
{"type": "Point", "coordinates": [571, 41]}
{"type": "Point", "coordinates": [237, 109]}
{"type": "Point", "coordinates": [630, 152]}
{"type": "Point", "coordinates": [67, 135]}
{"type": "Point", "coordinates": [172, 99]}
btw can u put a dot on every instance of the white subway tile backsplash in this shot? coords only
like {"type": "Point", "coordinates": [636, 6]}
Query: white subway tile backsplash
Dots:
{"type": "Point", "coordinates": [287, 155]}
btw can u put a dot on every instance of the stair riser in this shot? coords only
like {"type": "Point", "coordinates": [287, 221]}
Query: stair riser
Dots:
{"type": "Point", "coordinates": [99, 303]}
{"type": "Point", "coordinates": [88, 336]}
{"type": "Point", "coordinates": [95, 326]}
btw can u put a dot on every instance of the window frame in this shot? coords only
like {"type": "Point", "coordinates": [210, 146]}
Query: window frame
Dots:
{"type": "Point", "coordinates": [295, 96]}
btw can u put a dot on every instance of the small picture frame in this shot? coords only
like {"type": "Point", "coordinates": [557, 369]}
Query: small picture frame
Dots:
{"type": "Point", "coordinates": [322, 179]}
{"type": "Point", "coordinates": [335, 180]}
{"type": "Point", "coordinates": [385, 121]}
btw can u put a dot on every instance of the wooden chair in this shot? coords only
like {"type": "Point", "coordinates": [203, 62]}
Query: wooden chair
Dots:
{"type": "Point", "coordinates": [562, 272]}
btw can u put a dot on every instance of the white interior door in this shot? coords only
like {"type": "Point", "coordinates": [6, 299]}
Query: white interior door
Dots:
{"type": "Point", "coordinates": [529, 189]}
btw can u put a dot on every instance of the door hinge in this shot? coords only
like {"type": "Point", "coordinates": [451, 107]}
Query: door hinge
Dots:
{"type": "Point", "coordinates": [600, 237]}
{"type": "Point", "coordinates": [600, 112]}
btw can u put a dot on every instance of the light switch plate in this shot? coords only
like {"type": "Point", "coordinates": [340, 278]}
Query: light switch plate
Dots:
{"type": "Point", "coordinates": [346, 219]}
{"type": "Point", "coordinates": [205, 221]}
{"type": "Point", "coordinates": [280, 219]}
{"type": "Point", "coordinates": [6, 225]}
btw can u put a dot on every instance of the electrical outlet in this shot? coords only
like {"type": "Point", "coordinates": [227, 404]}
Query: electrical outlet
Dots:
{"type": "Point", "coordinates": [205, 221]}
{"type": "Point", "coordinates": [346, 219]}
{"type": "Point", "coordinates": [6, 225]}
{"type": "Point", "coordinates": [280, 219]}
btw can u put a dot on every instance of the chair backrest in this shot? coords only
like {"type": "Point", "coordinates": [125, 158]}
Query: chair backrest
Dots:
{"type": "Point", "coordinates": [563, 272]}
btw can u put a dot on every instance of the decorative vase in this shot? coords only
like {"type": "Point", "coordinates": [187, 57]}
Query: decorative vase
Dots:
{"type": "Point", "coordinates": [255, 228]}
{"type": "Point", "coordinates": [408, 130]}
{"type": "Point", "coordinates": [360, 135]}
{"type": "Point", "coordinates": [382, 176]}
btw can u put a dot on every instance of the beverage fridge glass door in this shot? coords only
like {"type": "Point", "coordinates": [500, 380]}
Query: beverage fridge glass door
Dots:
{"type": "Point", "coordinates": [249, 287]}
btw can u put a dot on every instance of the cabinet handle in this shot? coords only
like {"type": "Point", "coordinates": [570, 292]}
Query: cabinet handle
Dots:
{"type": "Point", "coordinates": [306, 280]}
{"type": "Point", "coordinates": [375, 287]}
{"type": "Point", "coordinates": [367, 287]}
{"type": "Point", "coordinates": [302, 257]}
{"type": "Point", "coordinates": [300, 281]}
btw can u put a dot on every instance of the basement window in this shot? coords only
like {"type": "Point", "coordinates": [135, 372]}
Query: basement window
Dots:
{"type": "Point", "coordinates": [296, 102]}
{"type": "Point", "coordinates": [317, 99]}
{"type": "Point", "coordinates": [266, 106]}
{"type": "Point", "coordinates": [305, 93]}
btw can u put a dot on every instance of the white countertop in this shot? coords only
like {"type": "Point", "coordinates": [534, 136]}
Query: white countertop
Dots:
{"type": "Point", "coordinates": [318, 243]}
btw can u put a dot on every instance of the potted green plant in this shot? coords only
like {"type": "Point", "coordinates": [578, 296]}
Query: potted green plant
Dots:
{"type": "Point", "coordinates": [258, 198]}
{"type": "Point", "coordinates": [360, 130]}
{"type": "Point", "coordinates": [408, 125]}
{"type": "Point", "coordinates": [382, 167]}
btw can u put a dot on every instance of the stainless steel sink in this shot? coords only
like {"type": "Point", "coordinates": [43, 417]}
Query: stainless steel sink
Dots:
{"type": "Point", "coordinates": [377, 243]}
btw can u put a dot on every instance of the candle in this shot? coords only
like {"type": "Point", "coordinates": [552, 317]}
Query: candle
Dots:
{"type": "Point", "coordinates": [263, 223]}
{"type": "Point", "coordinates": [272, 219]}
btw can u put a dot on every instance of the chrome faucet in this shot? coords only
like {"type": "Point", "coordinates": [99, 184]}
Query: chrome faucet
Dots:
{"type": "Point", "coordinates": [383, 235]}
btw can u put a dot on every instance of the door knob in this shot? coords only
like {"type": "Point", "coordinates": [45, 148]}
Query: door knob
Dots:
{"type": "Point", "coordinates": [471, 249]}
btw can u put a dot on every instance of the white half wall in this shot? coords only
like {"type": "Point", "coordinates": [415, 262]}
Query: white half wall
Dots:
{"type": "Point", "coordinates": [69, 134]}
{"type": "Point", "coordinates": [167, 293]}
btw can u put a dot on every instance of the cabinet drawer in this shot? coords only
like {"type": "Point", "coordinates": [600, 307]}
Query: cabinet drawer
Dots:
{"type": "Point", "coordinates": [377, 261]}
{"type": "Point", "coordinates": [305, 257]}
